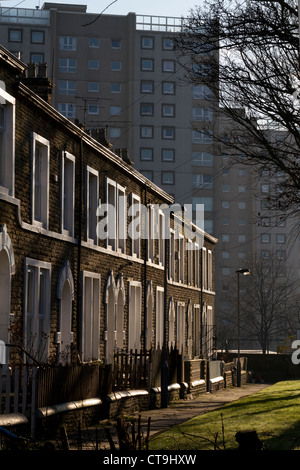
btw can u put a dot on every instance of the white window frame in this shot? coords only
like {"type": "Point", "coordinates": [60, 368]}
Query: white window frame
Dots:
{"type": "Point", "coordinates": [93, 87]}
{"type": "Point", "coordinates": [40, 182]}
{"type": "Point", "coordinates": [115, 110]}
{"type": "Point", "coordinates": [168, 110]}
{"type": "Point", "coordinates": [135, 315]}
{"type": "Point", "coordinates": [116, 221]}
{"type": "Point", "coordinates": [90, 325]}
{"type": "Point", "coordinates": [116, 66]}
{"type": "Point", "coordinates": [67, 65]}
{"type": "Point", "coordinates": [190, 264]}
{"type": "Point", "coordinates": [167, 177]}
{"type": "Point", "coordinates": [190, 326]}
{"type": "Point", "coordinates": [197, 264]}
{"type": "Point", "coordinates": [202, 114]}
{"type": "Point", "coordinates": [161, 238]}
{"type": "Point", "coordinates": [180, 330]}
{"type": "Point", "coordinates": [93, 109]}
{"type": "Point", "coordinates": [135, 225]}
{"type": "Point", "coordinates": [172, 318]}
{"type": "Point", "coordinates": [202, 181]}
{"type": "Point", "coordinates": [210, 330]}
{"type": "Point", "coordinates": [147, 65]}
{"type": "Point", "coordinates": [159, 317]}
{"type": "Point", "coordinates": [91, 203]}
{"type": "Point", "coordinates": [67, 43]}
{"type": "Point", "coordinates": [146, 132]}
{"type": "Point", "coordinates": [168, 65]}
{"type": "Point", "coordinates": [209, 270]}
{"type": "Point", "coordinates": [181, 263]}
{"type": "Point", "coordinates": [168, 88]}
{"type": "Point", "coordinates": [93, 64]}
{"type": "Point", "coordinates": [8, 164]}
{"type": "Point", "coordinates": [33, 318]}
{"type": "Point", "coordinates": [115, 87]}
{"type": "Point", "coordinates": [116, 43]}
{"type": "Point", "coordinates": [65, 295]}
{"type": "Point", "coordinates": [196, 330]}
{"type": "Point", "coordinates": [67, 193]}
{"type": "Point", "coordinates": [202, 137]}
{"type": "Point", "coordinates": [151, 232]}
{"type": "Point", "coordinates": [172, 255]}
{"type": "Point", "coordinates": [67, 109]}
{"type": "Point", "coordinates": [94, 43]}
{"type": "Point", "coordinates": [204, 268]}
{"type": "Point", "coordinates": [168, 133]}
{"type": "Point", "coordinates": [147, 42]}
{"type": "Point", "coordinates": [68, 89]}
{"type": "Point", "coordinates": [202, 92]}
{"type": "Point", "coordinates": [168, 155]}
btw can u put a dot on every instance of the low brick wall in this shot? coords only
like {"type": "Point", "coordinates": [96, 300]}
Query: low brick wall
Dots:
{"type": "Point", "coordinates": [197, 388]}
{"type": "Point", "coordinates": [126, 402]}
{"type": "Point", "coordinates": [48, 426]}
{"type": "Point", "coordinates": [216, 384]}
{"type": "Point", "coordinates": [244, 377]}
{"type": "Point", "coordinates": [269, 368]}
{"type": "Point", "coordinates": [175, 392]}
{"type": "Point", "coordinates": [89, 412]}
{"type": "Point", "coordinates": [195, 375]}
{"type": "Point", "coordinates": [228, 374]}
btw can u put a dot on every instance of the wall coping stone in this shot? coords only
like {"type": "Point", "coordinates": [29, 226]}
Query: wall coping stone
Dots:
{"type": "Point", "coordinates": [217, 379]}
{"type": "Point", "coordinates": [126, 394]}
{"type": "Point", "coordinates": [70, 406]}
{"type": "Point", "coordinates": [12, 419]}
{"type": "Point", "coordinates": [170, 387]}
{"type": "Point", "coordinates": [198, 382]}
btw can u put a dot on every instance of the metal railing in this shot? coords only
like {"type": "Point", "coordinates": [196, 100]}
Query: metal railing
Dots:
{"type": "Point", "coordinates": [159, 23]}
{"type": "Point", "coordinates": [24, 16]}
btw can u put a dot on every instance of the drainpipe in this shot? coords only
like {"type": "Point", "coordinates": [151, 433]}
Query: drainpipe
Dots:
{"type": "Point", "coordinates": [79, 310]}
{"type": "Point", "coordinates": [201, 304]}
{"type": "Point", "coordinates": [145, 266]}
{"type": "Point", "coordinates": [164, 364]}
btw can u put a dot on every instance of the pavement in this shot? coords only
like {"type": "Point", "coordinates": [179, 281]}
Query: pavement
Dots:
{"type": "Point", "coordinates": [161, 419]}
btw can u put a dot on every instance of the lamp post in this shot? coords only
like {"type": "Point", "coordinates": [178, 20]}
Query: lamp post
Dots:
{"type": "Point", "coordinates": [244, 272]}
{"type": "Point", "coordinates": [164, 363]}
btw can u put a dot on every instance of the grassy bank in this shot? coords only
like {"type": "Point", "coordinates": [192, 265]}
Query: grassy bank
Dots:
{"type": "Point", "coordinates": [274, 413]}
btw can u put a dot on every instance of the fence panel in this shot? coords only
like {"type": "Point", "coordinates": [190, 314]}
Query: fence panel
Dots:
{"type": "Point", "coordinates": [16, 388]}
{"type": "Point", "coordinates": [130, 370]}
{"type": "Point", "coordinates": [175, 366]}
{"type": "Point", "coordinates": [62, 384]}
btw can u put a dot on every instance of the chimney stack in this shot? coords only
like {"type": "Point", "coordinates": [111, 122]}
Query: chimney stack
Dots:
{"type": "Point", "coordinates": [38, 81]}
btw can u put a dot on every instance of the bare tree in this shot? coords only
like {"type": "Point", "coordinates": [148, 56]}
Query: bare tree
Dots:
{"type": "Point", "coordinates": [268, 302]}
{"type": "Point", "coordinates": [248, 54]}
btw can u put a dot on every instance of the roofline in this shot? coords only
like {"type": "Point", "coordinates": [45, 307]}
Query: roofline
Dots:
{"type": "Point", "coordinates": [74, 129]}
{"type": "Point", "coordinates": [27, 93]}
{"type": "Point", "coordinates": [12, 60]}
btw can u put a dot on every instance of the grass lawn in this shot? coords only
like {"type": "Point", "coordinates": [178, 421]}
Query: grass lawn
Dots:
{"type": "Point", "coordinates": [274, 413]}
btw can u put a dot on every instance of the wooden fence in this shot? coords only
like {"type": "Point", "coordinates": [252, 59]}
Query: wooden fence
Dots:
{"type": "Point", "coordinates": [24, 389]}
{"type": "Point", "coordinates": [18, 388]}
{"type": "Point", "coordinates": [142, 369]}
{"type": "Point", "coordinates": [175, 366]}
{"type": "Point", "coordinates": [63, 384]}
{"type": "Point", "coordinates": [131, 370]}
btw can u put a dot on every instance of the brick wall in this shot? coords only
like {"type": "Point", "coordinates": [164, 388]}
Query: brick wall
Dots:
{"type": "Point", "coordinates": [33, 115]}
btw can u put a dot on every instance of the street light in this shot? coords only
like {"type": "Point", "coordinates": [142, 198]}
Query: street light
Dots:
{"type": "Point", "coordinates": [244, 272]}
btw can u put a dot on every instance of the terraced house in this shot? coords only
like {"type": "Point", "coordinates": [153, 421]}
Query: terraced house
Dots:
{"type": "Point", "coordinates": [71, 292]}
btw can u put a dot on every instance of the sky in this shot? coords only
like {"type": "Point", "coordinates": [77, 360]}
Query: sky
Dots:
{"type": "Point", "coordinates": [172, 8]}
